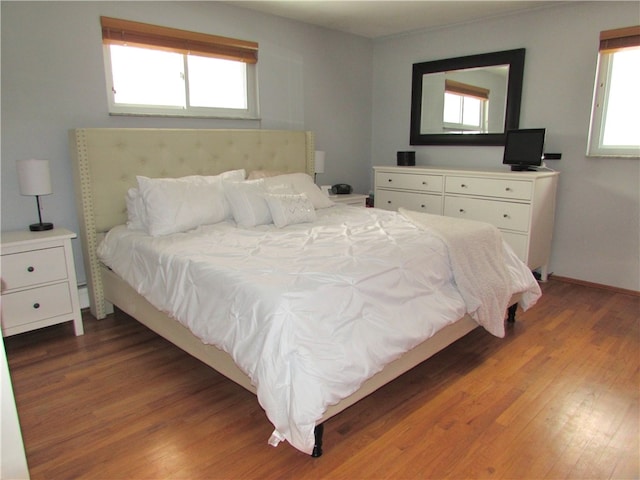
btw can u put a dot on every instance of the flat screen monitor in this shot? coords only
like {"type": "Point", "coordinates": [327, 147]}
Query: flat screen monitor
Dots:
{"type": "Point", "coordinates": [523, 149]}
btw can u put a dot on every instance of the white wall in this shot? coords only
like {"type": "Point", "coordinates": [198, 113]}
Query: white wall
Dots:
{"type": "Point", "coordinates": [13, 460]}
{"type": "Point", "coordinates": [53, 80]}
{"type": "Point", "coordinates": [597, 232]}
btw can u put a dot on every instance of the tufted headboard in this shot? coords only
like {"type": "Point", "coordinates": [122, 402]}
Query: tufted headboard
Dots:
{"type": "Point", "coordinates": [107, 160]}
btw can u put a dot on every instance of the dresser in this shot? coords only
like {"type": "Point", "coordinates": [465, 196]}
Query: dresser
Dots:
{"type": "Point", "coordinates": [39, 286]}
{"type": "Point", "coordinates": [520, 204]}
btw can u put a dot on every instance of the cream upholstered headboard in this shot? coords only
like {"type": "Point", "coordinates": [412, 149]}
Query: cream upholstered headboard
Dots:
{"type": "Point", "coordinates": [107, 160]}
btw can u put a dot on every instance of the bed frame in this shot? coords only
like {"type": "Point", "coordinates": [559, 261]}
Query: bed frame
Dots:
{"type": "Point", "coordinates": [105, 165]}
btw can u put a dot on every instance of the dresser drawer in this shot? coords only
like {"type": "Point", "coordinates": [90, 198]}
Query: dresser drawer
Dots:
{"type": "Point", "coordinates": [409, 181]}
{"type": "Point", "coordinates": [488, 187]}
{"type": "Point", "coordinates": [504, 215]}
{"type": "Point", "coordinates": [519, 243]}
{"type": "Point", "coordinates": [28, 306]}
{"type": "Point", "coordinates": [420, 202]}
{"type": "Point", "coordinates": [33, 268]}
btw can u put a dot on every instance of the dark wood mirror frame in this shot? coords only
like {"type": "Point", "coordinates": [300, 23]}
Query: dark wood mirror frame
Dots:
{"type": "Point", "coordinates": [513, 58]}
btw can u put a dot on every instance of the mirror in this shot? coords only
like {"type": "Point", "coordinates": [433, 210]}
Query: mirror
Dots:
{"type": "Point", "coordinates": [469, 100]}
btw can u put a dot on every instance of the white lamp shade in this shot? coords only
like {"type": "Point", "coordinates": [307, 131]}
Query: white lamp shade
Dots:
{"type": "Point", "coordinates": [319, 161]}
{"type": "Point", "coordinates": [34, 177]}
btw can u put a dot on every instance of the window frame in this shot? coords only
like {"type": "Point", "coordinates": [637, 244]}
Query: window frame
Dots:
{"type": "Point", "coordinates": [611, 42]}
{"type": "Point", "coordinates": [152, 37]}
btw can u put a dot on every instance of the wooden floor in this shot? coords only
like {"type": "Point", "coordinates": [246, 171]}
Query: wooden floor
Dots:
{"type": "Point", "coordinates": [557, 398]}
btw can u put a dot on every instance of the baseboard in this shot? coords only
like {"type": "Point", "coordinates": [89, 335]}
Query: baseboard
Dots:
{"type": "Point", "coordinates": [597, 285]}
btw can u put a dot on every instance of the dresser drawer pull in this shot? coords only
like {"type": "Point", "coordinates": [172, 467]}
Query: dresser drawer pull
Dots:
{"type": "Point", "coordinates": [36, 305]}
{"type": "Point", "coordinates": [30, 269]}
{"type": "Point", "coordinates": [389, 202]}
{"type": "Point", "coordinates": [508, 189]}
{"type": "Point", "coordinates": [424, 183]}
{"type": "Point", "coordinates": [463, 185]}
{"type": "Point", "coordinates": [506, 215]}
{"type": "Point", "coordinates": [390, 180]}
{"type": "Point", "coordinates": [422, 206]}
{"type": "Point", "coordinates": [462, 210]}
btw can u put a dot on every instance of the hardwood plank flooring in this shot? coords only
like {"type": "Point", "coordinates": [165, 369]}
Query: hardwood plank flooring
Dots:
{"type": "Point", "coordinates": [557, 398]}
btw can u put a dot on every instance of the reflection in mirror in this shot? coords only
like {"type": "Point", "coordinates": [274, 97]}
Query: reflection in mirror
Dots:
{"type": "Point", "coordinates": [470, 100]}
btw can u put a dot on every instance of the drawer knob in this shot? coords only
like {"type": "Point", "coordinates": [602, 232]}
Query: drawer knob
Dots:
{"type": "Point", "coordinates": [424, 183]}
{"type": "Point", "coordinates": [30, 269]}
{"type": "Point", "coordinates": [36, 305]}
{"type": "Point", "coordinates": [390, 180]}
{"type": "Point", "coordinates": [389, 202]}
{"type": "Point", "coordinates": [422, 206]}
{"type": "Point", "coordinates": [508, 189]}
{"type": "Point", "coordinates": [506, 215]}
{"type": "Point", "coordinates": [463, 185]}
{"type": "Point", "coordinates": [462, 210]}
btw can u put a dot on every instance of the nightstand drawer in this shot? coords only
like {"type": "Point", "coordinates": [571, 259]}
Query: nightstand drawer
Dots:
{"type": "Point", "coordinates": [504, 215]}
{"type": "Point", "coordinates": [486, 187]}
{"type": "Point", "coordinates": [29, 306]}
{"type": "Point", "coordinates": [33, 268]}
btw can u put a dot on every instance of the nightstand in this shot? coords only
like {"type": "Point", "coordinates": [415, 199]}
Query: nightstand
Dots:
{"type": "Point", "coordinates": [39, 286]}
{"type": "Point", "coordinates": [355, 199]}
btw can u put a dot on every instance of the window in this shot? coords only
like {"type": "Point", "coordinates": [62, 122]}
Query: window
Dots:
{"type": "Point", "coordinates": [615, 114]}
{"type": "Point", "coordinates": [466, 107]}
{"type": "Point", "coordinates": [163, 71]}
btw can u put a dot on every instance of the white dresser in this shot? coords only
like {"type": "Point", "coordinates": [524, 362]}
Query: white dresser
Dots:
{"type": "Point", "coordinates": [520, 204]}
{"type": "Point", "coordinates": [39, 286]}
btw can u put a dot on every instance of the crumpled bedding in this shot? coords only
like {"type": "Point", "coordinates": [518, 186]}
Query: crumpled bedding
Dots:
{"type": "Point", "coordinates": [308, 312]}
{"type": "Point", "coordinates": [476, 254]}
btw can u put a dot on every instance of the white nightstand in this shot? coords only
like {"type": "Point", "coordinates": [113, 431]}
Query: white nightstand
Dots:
{"type": "Point", "coordinates": [39, 286]}
{"type": "Point", "coordinates": [355, 199]}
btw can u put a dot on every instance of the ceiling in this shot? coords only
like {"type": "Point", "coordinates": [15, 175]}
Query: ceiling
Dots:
{"type": "Point", "coordinates": [380, 18]}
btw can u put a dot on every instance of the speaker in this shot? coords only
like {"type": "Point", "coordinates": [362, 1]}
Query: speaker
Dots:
{"type": "Point", "coordinates": [406, 159]}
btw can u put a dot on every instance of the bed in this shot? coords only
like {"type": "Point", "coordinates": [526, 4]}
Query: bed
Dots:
{"type": "Point", "coordinates": [106, 164]}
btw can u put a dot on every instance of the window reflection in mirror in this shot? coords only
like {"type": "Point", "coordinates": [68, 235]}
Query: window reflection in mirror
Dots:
{"type": "Point", "coordinates": [471, 100]}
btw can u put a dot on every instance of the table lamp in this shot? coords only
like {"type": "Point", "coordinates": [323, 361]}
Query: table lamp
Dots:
{"type": "Point", "coordinates": [34, 178]}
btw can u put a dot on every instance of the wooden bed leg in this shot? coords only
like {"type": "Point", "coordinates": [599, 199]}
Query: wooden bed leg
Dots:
{"type": "Point", "coordinates": [511, 316]}
{"type": "Point", "coordinates": [317, 433]}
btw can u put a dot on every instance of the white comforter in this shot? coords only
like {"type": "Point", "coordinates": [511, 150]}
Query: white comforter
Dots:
{"type": "Point", "coordinates": [308, 312]}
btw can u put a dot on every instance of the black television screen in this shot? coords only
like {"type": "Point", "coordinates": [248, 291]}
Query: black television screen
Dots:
{"type": "Point", "coordinates": [524, 148]}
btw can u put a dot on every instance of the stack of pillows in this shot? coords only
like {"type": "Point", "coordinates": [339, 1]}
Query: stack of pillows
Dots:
{"type": "Point", "coordinates": [161, 206]}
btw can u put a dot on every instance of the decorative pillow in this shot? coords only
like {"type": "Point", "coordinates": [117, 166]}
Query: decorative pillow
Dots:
{"type": "Point", "coordinates": [176, 205]}
{"type": "Point", "coordinates": [247, 202]}
{"type": "Point", "coordinates": [256, 174]}
{"type": "Point", "coordinates": [289, 209]}
{"type": "Point", "coordinates": [302, 183]}
{"type": "Point", "coordinates": [135, 210]}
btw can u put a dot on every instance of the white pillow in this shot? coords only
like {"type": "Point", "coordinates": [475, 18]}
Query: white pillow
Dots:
{"type": "Point", "coordinates": [136, 215]}
{"type": "Point", "coordinates": [289, 209]}
{"type": "Point", "coordinates": [247, 202]}
{"type": "Point", "coordinates": [176, 205]}
{"type": "Point", "coordinates": [302, 183]}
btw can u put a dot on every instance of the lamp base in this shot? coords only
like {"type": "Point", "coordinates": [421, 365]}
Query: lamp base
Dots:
{"type": "Point", "coordinates": [40, 227]}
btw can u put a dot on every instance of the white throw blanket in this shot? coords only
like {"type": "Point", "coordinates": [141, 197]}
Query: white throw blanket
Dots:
{"type": "Point", "coordinates": [478, 265]}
